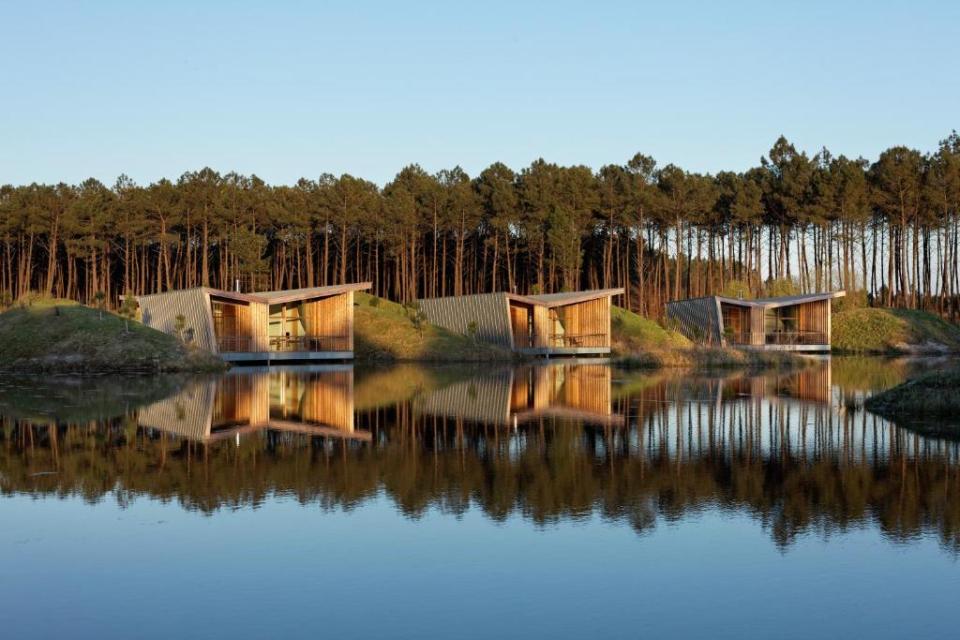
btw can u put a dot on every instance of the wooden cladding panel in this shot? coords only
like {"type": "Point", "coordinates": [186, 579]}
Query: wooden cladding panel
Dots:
{"type": "Point", "coordinates": [160, 312]}
{"type": "Point", "coordinates": [520, 325]}
{"type": "Point", "coordinates": [756, 326]}
{"type": "Point", "coordinates": [542, 326]}
{"type": "Point", "coordinates": [330, 317]}
{"type": "Point", "coordinates": [259, 314]}
{"type": "Point", "coordinates": [697, 319]}
{"type": "Point", "coordinates": [489, 311]}
{"type": "Point", "coordinates": [590, 319]}
{"type": "Point", "coordinates": [814, 316]}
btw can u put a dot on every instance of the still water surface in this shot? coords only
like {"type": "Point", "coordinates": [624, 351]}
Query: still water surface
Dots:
{"type": "Point", "coordinates": [565, 500]}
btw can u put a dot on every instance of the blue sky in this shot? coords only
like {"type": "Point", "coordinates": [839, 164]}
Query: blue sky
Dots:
{"type": "Point", "coordinates": [288, 89]}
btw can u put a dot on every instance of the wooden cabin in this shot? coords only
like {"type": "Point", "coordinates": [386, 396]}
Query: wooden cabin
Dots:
{"type": "Point", "coordinates": [315, 323]}
{"type": "Point", "coordinates": [788, 323]}
{"type": "Point", "coordinates": [317, 404]}
{"type": "Point", "coordinates": [575, 323]}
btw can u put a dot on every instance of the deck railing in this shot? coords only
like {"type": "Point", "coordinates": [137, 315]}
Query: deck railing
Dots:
{"type": "Point", "coordinates": [228, 344]}
{"type": "Point", "coordinates": [564, 340]}
{"type": "Point", "coordinates": [310, 343]}
{"type": "Point", "coordinates": [284, 344]}
{"type": "Point", "coordinates": [795, 337]}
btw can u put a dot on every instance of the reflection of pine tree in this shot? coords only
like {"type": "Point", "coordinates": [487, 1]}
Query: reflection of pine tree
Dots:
{"type": "Point", "coordinates": [784, 463]}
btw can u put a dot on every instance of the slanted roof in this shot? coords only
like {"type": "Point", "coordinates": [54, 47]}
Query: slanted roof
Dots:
{"type": "Point", "coordinates": [561, 299]}
{"type": "Point", "coordinates": [292, 295]}
{"type": "Point", "coordinates": [274, 297]}
{"type": "Point", "coordinates": [781, 301]}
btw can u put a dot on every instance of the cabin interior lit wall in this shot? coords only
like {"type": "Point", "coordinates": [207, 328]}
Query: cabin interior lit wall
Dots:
{"type": "Point", "coordinates": [585, 324]}
{"type": "Point", "coordinates": [231, 325]}
{"type": "Point", "coordinates": [319, 324]}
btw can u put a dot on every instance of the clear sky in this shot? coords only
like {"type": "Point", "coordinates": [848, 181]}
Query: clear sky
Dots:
{"type": "Point", "coordinates": [288, 89]}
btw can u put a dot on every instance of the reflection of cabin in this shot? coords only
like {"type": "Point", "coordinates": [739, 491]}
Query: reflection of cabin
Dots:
{"type": "Point", "coordinates": [299, 324]}
{"type": "Point", "coordinates": [789, 323]}
{"type": "Point", "coordinates": [810, 384]}
{"type": "Point", "coordinates": [571, 391]}
{"type": "Point", "coordinates": [553, 324]}
{"type": "Point", "coordinates": [315, 403]}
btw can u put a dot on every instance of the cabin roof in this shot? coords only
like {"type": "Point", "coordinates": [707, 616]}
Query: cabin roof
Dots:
{"type": "Point", "coordinates": [572, 297]}
{"type": "Point", "coordinates": [292, 295]}
{"type": "Point", "coordinates": [772, 303]}
{"type": "Point", "coordinates": [278, 296]}
{"type": "Point", "coordinates": [543, 300]}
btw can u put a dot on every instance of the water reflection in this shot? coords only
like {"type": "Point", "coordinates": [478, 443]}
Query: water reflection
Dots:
{"type": "Point", "coordinates": [316, 402]}
{"type": "Point", "coordinates": [555, 442]}
{"type": "Point", "coordinates": [579, 391]}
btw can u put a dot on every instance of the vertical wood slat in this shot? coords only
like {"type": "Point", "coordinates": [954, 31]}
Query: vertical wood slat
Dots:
{"type": "Point", "coordinates": [490, 312]}
{"type": "Point", "coordinates": [697, 319]}
{"type": "Point", "coordinates": [160, 311]}
{"type": "Point", "coordinates": [331, 317]}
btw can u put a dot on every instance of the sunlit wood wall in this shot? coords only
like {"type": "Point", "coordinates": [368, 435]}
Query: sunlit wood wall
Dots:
{"type": "Point", "coordinates": [160, 312]}
{"type": "Point", "coordinates": [330, 317]}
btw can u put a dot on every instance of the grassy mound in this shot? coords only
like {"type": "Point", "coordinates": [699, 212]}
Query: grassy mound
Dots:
{"type": "Point", "coordinates": [893, 331]}
{"type": "Point", "coordinates": [385, 330]}
{"type": "Point", "coordinates": [633, 332]}
{"type": "Point", "coordinates": [63, 336]}
{"type": "Point", "coordinates": [641, 343]}
{"type": "Point", "coordinates": [933, 397]}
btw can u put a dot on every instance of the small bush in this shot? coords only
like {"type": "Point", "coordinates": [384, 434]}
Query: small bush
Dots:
{"type": "Point", "coordinates": [856, 299]}
{"type": "Point", "coordinates": [737, 289]}
{"type": "Point", "coordinates": [374, 301]}
{"type": "Point", "coordinates": [776, 287]}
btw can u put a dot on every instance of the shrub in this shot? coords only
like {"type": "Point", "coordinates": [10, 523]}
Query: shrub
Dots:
{"type": "Point", "coordinates": [737, 289]}
{"type": "Point", "coordinates": [776, 287]}
{"type": "Point", "coordinates": [856, 299]}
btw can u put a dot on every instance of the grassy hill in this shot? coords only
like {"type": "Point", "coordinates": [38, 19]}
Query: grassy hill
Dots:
{"type": "Point", "coordinates": [639, 342]}
{"type": "Point", "coordinates": [385, 330]}
{"type": "Point", "coordinates": [929, 403]}
{"type": "Point", "coordinates": [875, 330]}
{"type": "Point", "coordinates": [632, 332]}
{"type": "Point", "coordinates": [63, 336]}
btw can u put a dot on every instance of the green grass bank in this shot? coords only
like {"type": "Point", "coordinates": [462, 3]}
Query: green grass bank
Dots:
{"type": "Point", "coordinates": [387, 331]}
{"type": "Point", "coordinates": [641, 343]}
{"type": "Point", "coordinates": [930, 403]}
{"type": "Point", "coordinates": [895, 331]}
{"type": "Point", "coordinates": [60, 336]}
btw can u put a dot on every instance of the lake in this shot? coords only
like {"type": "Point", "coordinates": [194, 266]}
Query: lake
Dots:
{"type": "Point", "coordinates": [567, 500]}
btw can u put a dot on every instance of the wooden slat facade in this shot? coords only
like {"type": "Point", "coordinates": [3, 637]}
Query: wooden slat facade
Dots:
{"type": "Point", "coordinates": [789, 323]}
{"type": "Point", "coordinates": [489, 311]}
{"type": "Point", "coordinates": [160, 311]}
{"type": "Point", "coordinates": [698, 319]}
{"type": "Point", "coordinates": [331, 316]}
